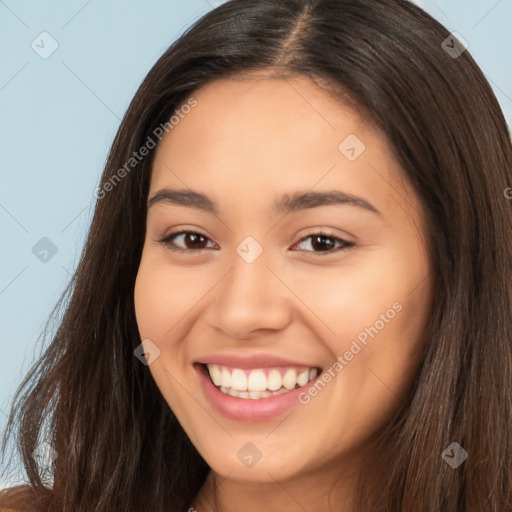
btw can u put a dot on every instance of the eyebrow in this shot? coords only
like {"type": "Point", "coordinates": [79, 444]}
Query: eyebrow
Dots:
{"type": "Point", "coordinates": [287, 204]}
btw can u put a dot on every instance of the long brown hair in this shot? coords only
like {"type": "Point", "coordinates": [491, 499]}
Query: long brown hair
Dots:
{"type": "Point", "coordinates": [118, 444]}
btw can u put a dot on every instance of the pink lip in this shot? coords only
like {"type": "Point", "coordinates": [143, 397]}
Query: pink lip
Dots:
{"type": "Point", "coordinates": [251, 362]}
{"type": "Point", "coordinates": [247, 409]}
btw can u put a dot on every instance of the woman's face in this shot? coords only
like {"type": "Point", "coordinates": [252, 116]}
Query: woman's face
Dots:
{"type": "Point", "coordinates": [296, 247]}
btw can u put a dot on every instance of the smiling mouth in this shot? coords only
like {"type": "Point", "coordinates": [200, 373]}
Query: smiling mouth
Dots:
{"type": "Point", "coordinates": [259, 382]}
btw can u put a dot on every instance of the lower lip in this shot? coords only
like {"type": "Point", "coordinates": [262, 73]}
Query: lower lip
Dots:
{"type": "Point", "coordinates": [248, 409]}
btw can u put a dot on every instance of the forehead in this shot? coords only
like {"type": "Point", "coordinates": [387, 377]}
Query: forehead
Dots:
{"type": "Point", "coordinates": [295, 109]}
{"type": "Point", "coordinates": [268, 135]}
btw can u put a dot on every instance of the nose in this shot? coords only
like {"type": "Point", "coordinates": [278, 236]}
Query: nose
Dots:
{"type": "Point", "coordinates": [250, 301]}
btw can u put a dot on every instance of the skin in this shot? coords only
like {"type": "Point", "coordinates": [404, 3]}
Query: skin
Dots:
{"type": "Point", "coordinates": [246, 143]}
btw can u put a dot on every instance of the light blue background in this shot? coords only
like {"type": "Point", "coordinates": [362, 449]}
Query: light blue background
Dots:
{"type": "Point", "coordinates": [58, 117]}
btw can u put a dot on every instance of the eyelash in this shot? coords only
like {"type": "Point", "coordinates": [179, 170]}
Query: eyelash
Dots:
{"type": "Point", "coordinates": [167, 241]}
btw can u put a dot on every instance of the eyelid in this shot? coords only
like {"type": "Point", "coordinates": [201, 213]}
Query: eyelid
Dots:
{"type": "Point", "coordinates": [346, 244]}
{"type": "Point", "coordinates": [166, 241]}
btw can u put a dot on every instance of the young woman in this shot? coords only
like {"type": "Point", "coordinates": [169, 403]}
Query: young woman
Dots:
{"type": "Point", "coordinates": [294, 294]}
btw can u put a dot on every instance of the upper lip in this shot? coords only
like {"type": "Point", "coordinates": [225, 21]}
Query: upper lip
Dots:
{"type": "Point", "coordinates": [252, 361]}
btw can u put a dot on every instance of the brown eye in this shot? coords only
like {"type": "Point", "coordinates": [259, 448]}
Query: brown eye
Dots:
{"type": "Point", "coordinates": [186, 241]}
{"type": "Point", "coordinates": [323, 242]}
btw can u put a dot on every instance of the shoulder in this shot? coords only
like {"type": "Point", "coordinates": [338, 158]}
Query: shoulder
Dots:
{"type": "Point", "coordinates": [16, 499]}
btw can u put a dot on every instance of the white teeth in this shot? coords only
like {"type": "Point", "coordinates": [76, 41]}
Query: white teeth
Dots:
{"type": "Point", "coordinates": [226, 376]}
{"type": "Point", "coordinates": [302, 377]}
{"type": "Point", "coordinates": [216, 375]}
{"type": "Point", "coordinates": [254, 395]}
{"type": "Point", "coordinates": [239, 380]}
{"type": "Point", "coordinates": [274, 381]}
{"type": "Point", "coordinates": [290, 379]}
{"type": "Point", "coordinates": [257, 383]}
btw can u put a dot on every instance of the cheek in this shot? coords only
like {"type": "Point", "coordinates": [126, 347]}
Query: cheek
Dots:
{"type": "Point", "coordinates": [163, 295]}
{"type": "Point", "coordinates": [151, 302]}
{"type": "Point", "coordinates": [388, 312]}
{"type": "Point", "coordinates": [350, 297]}
{"type": "Point", "coordinates": [373, 312]}
{"type": "Point", "coordinates": [162, 300]}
